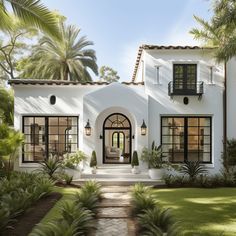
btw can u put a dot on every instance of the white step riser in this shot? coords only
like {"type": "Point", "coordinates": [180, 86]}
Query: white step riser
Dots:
{"type": "Point", "coordinates": [114, 176]}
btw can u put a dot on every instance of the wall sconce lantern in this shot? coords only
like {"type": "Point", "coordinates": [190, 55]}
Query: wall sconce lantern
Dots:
{"type": "Point", "coordinates": [87, 129]}
{"type": "Point", "coordinates": [143, 128]}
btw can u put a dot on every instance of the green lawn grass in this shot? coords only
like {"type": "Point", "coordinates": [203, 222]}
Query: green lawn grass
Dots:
{"type": "Point", "coordinates": [201, 211]}
{"type": "Point", "coordinates": [54, 213]}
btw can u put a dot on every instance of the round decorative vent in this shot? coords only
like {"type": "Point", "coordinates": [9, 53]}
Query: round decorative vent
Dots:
{"type": "Point", "coordinates": [53, 100]}
{"type": "Point", "coordinates": [186, 100]}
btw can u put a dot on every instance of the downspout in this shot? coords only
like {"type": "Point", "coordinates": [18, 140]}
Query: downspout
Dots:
{"type": "Point", "coordinates": [225, 109]}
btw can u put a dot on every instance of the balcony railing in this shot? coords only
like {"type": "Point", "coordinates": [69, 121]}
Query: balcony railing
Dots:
{"type": "Point", "coordinates": [190, 89]}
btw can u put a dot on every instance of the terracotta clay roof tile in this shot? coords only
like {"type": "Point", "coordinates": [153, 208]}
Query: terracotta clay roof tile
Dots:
{"type": "Point", "coordinates": [61, 82]}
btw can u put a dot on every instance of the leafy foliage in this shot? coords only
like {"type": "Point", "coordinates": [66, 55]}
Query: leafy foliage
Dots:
{"type": "Point", "coordinates": [157, 222]}
{"type": "Point", "coordinates": [75, 220]}
{"type": "Point", "coordinates": [18, 193]}
{"type": "Point", "coordinates": [67, 58]}
{"type": "Point", "coordinates": [72, 160]}
{"type": "Point", "coordinates": [68, 178]}
{"type": "Point", "coordinates": [50, 166]}
{"type": "Point", "coordinates": [108, 74]}
{"type": "Point", "coordinates": [92, 187]}
{"type": "Point", "coordinates": [76, 217]}
{"type": "Point", "coordinates": [31, 12]}
{"type": "Point", "coordinates": [229, 155]}
{"type": "Point", "coordinates": [220, 30]}
{"type": "Point", "coordinates": [142, 199]}
{"type": "Point", "coordinates": [93, 161]}
{"type": "Point", "coordinates": [153, 157]}
{"type": "Point", "coordinates": [152, 219]}
{"type": "Point", "coordinates": [192, 169]}
{"type": "Point", "coordinates": [135, 161]}
{"type": "Point", "coordinates": [6, 105]}
{"type": "Point", "coordinates": [10, 141]}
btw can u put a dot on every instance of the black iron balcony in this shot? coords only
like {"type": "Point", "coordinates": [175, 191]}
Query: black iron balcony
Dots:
{"type": "Point", "coordinates": [185, 89]}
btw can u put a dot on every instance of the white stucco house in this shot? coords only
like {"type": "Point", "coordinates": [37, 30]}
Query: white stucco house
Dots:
{"type": "Point", "coordinates": [176, 91]}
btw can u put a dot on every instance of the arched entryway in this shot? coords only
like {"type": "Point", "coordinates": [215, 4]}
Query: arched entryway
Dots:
{"type": "Point", "coordinates": [117, 143]}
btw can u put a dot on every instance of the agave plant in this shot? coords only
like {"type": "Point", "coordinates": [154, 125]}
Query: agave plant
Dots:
{"type": "Point", "coordinates": [92, 187]}
{"type": "Point", "coordinates": [50, 166]}
{"type": "Point", "coordinates": [193, 169]}
{"type": "Point", "coordinates": [158, 222]}
{"type": "Point", "coordinates": [55, 228]}
{"type": "Point", "coordinates": [140, 188]}
{"type": "Point", "coordinates": [141, 202]}
{"type": "Point", "coordinates": [87, 200]}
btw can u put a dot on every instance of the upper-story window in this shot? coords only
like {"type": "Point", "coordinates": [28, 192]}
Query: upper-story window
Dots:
{"type": "Point", "coordinates": [185, 77]}
{"type": "Point", "coordinates": [185, 80]}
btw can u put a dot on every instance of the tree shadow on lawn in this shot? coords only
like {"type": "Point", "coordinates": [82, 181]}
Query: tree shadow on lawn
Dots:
{"type": "Point", "coordinates": [202, 211]}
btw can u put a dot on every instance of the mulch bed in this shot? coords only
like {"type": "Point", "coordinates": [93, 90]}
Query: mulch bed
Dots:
{"type": "Point", "coordinates": [32, 216]}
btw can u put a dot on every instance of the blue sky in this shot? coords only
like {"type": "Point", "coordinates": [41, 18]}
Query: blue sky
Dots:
{"type": "Point", "coordinates": [118, 27]}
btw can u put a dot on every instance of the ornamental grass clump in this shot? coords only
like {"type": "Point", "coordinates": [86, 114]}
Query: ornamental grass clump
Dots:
{"type": "Point", "coordinates": [152, 219]}
{"type": "Point", "coordinates": [76, 217]}
{"type": "Point", "coordinates": [18, 192]}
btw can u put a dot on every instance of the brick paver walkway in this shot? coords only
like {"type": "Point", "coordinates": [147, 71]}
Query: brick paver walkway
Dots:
{"type": "Point", "coordinates": [114, 217]}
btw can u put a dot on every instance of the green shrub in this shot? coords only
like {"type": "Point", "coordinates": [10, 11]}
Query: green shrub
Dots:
{"type": "Point", "coordinates": [141, 202]}
{"type": "Point", "coordinates": [75, 220]}
{"type": "Point", "coordinates": [4, 217]}
{"type": "Point", "coordinates": [87, 200]}
{"type": "Point", "coordinates": [92, 187]}
{"type": "Point", "coordinates": [157, 222]}
{"type": "Point", "coordinates": [68, 178]}
{"type": "Point", "coordinates": [135, 161]}
{"type": "Point", "coordinates": [154, 157]}
{"type": "Point", "coordinates": [93, 161]}
{"type": "Point", "coordinates": [50, 166]}
{"type": "Point", "coordinates": [18, 192]}
{"type": "Point", "coordinates": [72, 160]}
{"type": "Point", "coordinates": [229, 155]}
{"type": "Point", "coordinates": [192, 169]}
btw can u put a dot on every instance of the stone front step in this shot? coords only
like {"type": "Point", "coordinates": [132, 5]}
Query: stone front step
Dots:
{"type": "Point", "coordinates": [102, 175]}
{"type": "Point", "coordinates": [120, 181]}
{"type": "Point", "coordinates": [112, 169]}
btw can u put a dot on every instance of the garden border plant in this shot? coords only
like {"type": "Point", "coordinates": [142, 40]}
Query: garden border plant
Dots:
{"type": "Point", "coordinates": [18, 192]}
{"type": "Point", "coordinates": [152, 218]}
{"type": "Point", "coordinates": [77, 216]}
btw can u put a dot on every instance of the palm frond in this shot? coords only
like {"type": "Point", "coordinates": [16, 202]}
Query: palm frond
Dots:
{"type": "Point", "coordinates": [34, 13]}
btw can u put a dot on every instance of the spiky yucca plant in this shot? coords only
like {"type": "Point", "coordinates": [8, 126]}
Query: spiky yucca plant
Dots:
{"type": "Point", "coordinates": [157, 222]}
{"type": "Point", "coordinates": [193, 169]}
{"type": "Point", "coordinates": [50, 166]}
{"type": "Point", "coordinates": [92, 187]}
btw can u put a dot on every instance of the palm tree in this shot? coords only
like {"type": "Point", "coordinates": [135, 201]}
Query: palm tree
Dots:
{"type": "Point", "coordinates": [31, 12]}
{"type": "Point", "coordinates": [65, 59]}
{"type": "Point", "coordinates": [220, 31]}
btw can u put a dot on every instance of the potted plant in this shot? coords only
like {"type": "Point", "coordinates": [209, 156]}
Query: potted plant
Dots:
{"type": "Point", "coordinates": [93, 162]}
{"type": "Point", "coordinates": [72, 161]}
{"type": "Point", "coordinates": [135, 163]}
{"type": "Point", "coordinates": [154, 158]}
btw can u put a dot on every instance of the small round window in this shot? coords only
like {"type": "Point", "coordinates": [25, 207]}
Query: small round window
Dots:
{"type": "Point", "coordinates": [53, 100]}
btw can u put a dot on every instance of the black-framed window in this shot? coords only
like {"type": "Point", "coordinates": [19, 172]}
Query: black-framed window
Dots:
{"type": "Point", "coordinates": [46, 135]}
{"type": "Point", "coordinates": [184, 77]}
{"type": "Point", "coordinates": [187, 138]}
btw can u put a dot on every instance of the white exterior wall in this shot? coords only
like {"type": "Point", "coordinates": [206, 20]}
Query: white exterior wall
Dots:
{"type": "Point", "coordinates": [231, 91]}
{"type": "Point", "coordinates": [93, 102]}
{"type": "Point", "coordinates": [137, 102]}
{"type": "Point", "coordinates": [161, 104]}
